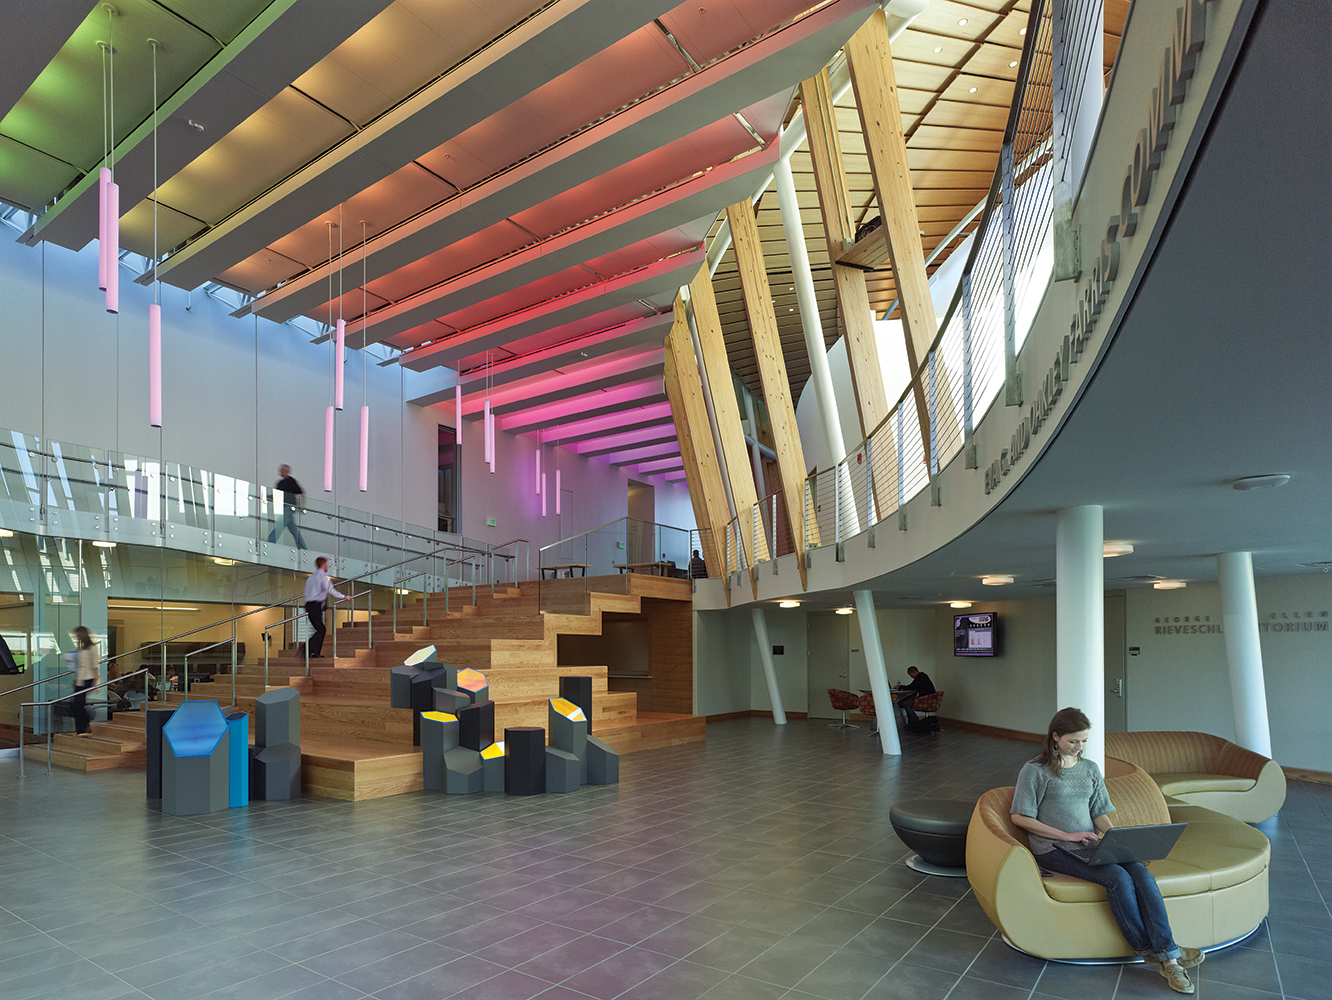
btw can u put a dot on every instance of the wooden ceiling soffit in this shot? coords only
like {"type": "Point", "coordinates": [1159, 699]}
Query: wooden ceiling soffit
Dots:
{"type": "Point", "coordinates": [870, 59]}
{"type": "Point", "coordinates": [739, 472]}
{"type": "Point", "coordinates": [862, 348]}
{"type": "Point", "coordinates": [702, 470]}
{"type": "Point", "coordinates": [772, 373]}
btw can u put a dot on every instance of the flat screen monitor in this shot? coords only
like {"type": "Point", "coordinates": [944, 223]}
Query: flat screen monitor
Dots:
{"type": "Point", "coordinates": [976, 635]}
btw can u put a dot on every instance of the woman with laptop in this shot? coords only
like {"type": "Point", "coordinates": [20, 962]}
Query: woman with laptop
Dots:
{"type": "Point", "coordinates": [1061, 799]}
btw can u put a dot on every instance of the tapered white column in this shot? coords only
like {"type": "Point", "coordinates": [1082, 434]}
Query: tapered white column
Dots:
{"type": "Point", "coordinates": [1244, 654]}
{"type": "Point", "coordinates": [878, 672]}
{"type": "Point", "coordinates": [769, 671]}
{"type": "Point", "coordinates": [1080, 618]}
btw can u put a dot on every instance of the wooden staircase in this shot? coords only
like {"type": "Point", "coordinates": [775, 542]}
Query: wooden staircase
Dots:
{"type": "Point", "coordinates": [355, 746]}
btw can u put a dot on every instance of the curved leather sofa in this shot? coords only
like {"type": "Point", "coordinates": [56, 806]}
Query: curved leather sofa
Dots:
{"type": "Point", "coordinates": [1205, 770]}
{"type": "Point", "coordinates": [1214, 882]}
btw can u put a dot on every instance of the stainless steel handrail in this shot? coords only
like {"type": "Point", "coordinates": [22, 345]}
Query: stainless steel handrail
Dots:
{"type": "Point", "coordinates": [334, 622]}
{"type": "Point", "coordinates": [47, 680]}
{"type": "Point", "coordinates": [65, 697]}
{"type": "Point", "coordinates": [196, 652]}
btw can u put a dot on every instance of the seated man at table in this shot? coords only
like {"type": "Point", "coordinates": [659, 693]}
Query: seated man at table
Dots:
{"type": "Point", "coordinates": [920, 684]}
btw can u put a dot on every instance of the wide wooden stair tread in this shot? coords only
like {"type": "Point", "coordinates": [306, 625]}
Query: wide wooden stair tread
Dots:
{"type": "Point", "coordinates": [355, 746]}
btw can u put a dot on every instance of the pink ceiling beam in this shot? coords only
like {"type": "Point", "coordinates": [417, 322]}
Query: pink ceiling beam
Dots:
{"type": "Point", "coordinates": [552, 414]}
{"type": "Point", "coordinates": [631, 456]}
{"type": "Point", "coordinates": [615, 442]}
{"type": "Point", "coordinates": [512, 393]}
{"type": "Point", "coordinates": [661, 465]}
{"type": "Point", "coordinates": [595, 425]}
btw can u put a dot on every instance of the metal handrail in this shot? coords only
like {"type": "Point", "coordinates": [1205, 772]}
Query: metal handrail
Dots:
{"type": "Point", "coordinates": [186, 659]}
{"type": "Point", "coordinates": [47, 680]}
{"type": "Point", "coordinates": [334, 623]}
{"type": "Point", "coordinates": [64, 697]}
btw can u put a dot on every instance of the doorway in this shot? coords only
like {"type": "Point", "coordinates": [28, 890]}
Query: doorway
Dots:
{"type": "Point", "coordinates": [642, 521]}
{"type": "Point", "coordinates": [829, 661]}
{"type": "Point", "coordinates": [1116, 664]}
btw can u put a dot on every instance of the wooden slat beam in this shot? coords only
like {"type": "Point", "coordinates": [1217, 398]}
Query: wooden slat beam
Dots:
{"type": "Point", "coordinates": [869, 57]}
{"type": "Point", "coordinates": [772, 373]}
{"type": "Point", "coordinates": [706, 492]}
{"type": "Point", "coordinates": [727, 412]}
{"type": "Point", "coordinates": [862, 348]}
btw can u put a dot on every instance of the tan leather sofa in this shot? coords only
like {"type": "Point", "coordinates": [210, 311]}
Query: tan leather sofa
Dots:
{"type": "Point", "coordinates": [1214, 882]}
{"type": "Point", "coordinates": [1206, 770]}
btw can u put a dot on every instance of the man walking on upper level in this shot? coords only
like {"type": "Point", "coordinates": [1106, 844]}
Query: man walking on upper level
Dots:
{"type": "Point", "coordinates": [293, 498]}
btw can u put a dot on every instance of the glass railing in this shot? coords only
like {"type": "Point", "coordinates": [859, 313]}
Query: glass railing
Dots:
{"type": "Point", "coordinates": [972, 360]}
{"type": "Point", "coordinates": [600, 560]}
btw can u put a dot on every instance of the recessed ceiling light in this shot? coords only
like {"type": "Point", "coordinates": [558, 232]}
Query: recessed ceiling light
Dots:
{"type": "Point", "coordinates": [938, 48]}
{"type": "Point", "coordinates": [788, 604]}
{"type": "Point", "coordinates": [6, 533]}
{"type": "Point", "coordinates": [224, 562]}
{"type": "Point", "coordinates": [972, 90]}
{"type": "Point", "coordinates": [996, 581]}
{"type": "Point", "coordinates": [961, 22]}
{"type": "Point", "coordinates": [104, 545]}
{"type": "Point", "coordinates": [959, 604]}
{"type": "Point", "coordinates": [1022, 31]}
{"type": "Point", "coordinates": [1169, 585]}
{"type": "Point", "coordinates": [1012, 64]}
{"type": "Point", "coordinates": [1259, 482]}
{"type": "Point", "coordinates": [845, 611]}
{"type": "Point", "coordinates": [1112, 549]}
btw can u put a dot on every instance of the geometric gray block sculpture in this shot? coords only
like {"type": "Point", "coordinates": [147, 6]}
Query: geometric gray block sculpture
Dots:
{"type": "Point", "coordinates": [439, 735]}
{"type": "Point", "coordinates": [464, 771]}
{"type": "Point", "coordinates": [474, 683]}
{"type": "Point", "coordinates": [562, 771]}
{"type": "Point", "coordinates": [603, 763]}
{"type": "Point", "coordinates": [400, 678]}
{"type": "Point", "coordinates": [195, 760]}
{"type": "Point", "coordinates": [567, 725]}
{"type": "Point", "coordinates": [579, 691]}
{"type": "Point", "coordinates": [477, 725]}
{"type": "Point", "coordinates": [411, 685]}
{"type": "Point", "coordinates": [277, 717]}
{"type": "Point", "coordinates": [524, 760]}
{"type": "Point", "coordinates": [449, 700]}
{"type": "Point", "coordinates": [492, 760]}
{"type": "Point", "coordinates": [153, 723]}
{"type": "Point", "coordinates": [275, 772]}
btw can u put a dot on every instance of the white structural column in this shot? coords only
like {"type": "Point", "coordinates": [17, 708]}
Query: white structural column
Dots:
{"type": "Point", "coordinates": [1080, 618]}
{"type": "Point", "coordinates": [1244, 654]}
{"type": "Point", "coordinates": [878, 672]}
{"type": "Point", "coordinates": [819, 372]}
{"type": "Point", "coordinates": [769, 671]}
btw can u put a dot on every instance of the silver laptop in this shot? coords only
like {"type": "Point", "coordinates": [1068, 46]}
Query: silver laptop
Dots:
{"type": "Point", "coordinates": [1125, 844]}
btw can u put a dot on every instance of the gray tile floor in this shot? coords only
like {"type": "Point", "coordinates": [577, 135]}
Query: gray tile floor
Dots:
{"type": "Point", "coordinates": [759, 865]}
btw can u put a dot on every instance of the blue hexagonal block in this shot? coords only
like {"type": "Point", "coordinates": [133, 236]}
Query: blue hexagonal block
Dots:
{"type": "Point", "coordinates": [195, 760]}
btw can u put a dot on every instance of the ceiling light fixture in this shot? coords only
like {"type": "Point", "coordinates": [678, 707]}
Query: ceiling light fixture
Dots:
{"type": "Point", "coordinates": [224, 562]}
{"type": "Point", "coordinates": [1111, 549]}
{"type": "Point", "coordinates": [788, 604]}
{"type": "Point", "coordinates": [959, 604]}
{"type": "Point", "coordinates": [938, 49]}
{"type": "Point", "coordinates": [1169, 585]}
{"type": "Point", "coordinates": [6, 533]}
{"type": "Point", "coordinates": [1013, 64]}
{"type": "Point", "coordinates": [845, 611]}
{"type": "Point", "coordinates": [148, 607]}
{"type": "Point", "coordinates": [103, 545]}
{"type": "Point", "coordinates": [329, 410]}
{"type": "Point", "coordinates": [1259, 482]}
{"type": "Point", "coordinates": [961, 22]}
{"type": "Point", "coordinates": [996, 580]}
{"type": "Point", "coordinates": [155, 309]}
{"type": "Point", "coordinates": [972, 90]}
{"type": "Point", "coordinates": [363, 473]}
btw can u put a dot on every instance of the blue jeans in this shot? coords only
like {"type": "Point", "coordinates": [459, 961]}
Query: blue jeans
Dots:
{"type": "Point", "coordinates": [1134, 897]}
{"type": "Point", "coordinates": [288, 524]}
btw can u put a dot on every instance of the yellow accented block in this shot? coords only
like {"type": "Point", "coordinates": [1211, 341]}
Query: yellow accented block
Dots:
{"type": "Point", "coordinates": [568, 709]}
{"type": "Point", "coordinates": [493, 751]}
{"type": "Point", "coordinates": [439, 716]}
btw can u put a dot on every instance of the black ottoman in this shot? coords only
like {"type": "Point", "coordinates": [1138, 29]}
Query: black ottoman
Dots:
{"type": "Point", "coordinates": [936, 829]}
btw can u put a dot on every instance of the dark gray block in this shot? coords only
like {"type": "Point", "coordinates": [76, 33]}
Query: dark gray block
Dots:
{"type": "Point", "coordinates": [579, 691]}
{"type": "Point", "coordinates": [603, 763]}
{"type": "Point", "coordinates": [563, 771]}
{"type": "Point", "coordinates": [477, 725]}
{"type": "Point", "coordinates": [449, 700]}
{"type": "Point", "coordinates": [152, 730]}
{"type": "Point", "coordinates": [525, 760]}
{"type": "Point", "coordinates": [464, 772]}
{"type": "Point", "coordinates": [568, 731]}
{"type": "Point", "coordinates": [275, 772]}
{"type": "Point", "coordinates": [492, 759]}
{"type": "Point", "coordinates": [439, 735]}
{"type": "Point", "coordinates": [195, 784]}
{"type": "Point", "coordinates": [277, 718]}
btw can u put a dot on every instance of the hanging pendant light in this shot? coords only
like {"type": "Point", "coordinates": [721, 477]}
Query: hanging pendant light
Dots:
{"type": "Point", "coordinates": [329, 410]}
{"type": "Point", "coordinates": [457, 414]}
{"type": "Point", "coordinates": [363, 480]}
{"type": "Point", "coordinates": [340, 334]}
{"type": "Point", "coordinates": [155, 310]}
{"type": "Point", "coordinates": [112, 244]}
{"type": "Point", "coordinates": [543, 494]}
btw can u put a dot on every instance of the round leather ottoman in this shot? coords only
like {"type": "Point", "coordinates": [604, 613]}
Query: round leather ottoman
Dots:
{"type": "Point", "coordinates": [936, 829]}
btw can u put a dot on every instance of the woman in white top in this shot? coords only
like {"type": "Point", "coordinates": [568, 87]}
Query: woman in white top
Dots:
{"type": "Point", "coordinates": [85, 678]}
{"type": "Point", "coordinates": [1061, 797]}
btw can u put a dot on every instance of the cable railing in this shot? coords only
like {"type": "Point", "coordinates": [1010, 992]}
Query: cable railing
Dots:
{"type": "Point", "coordinates": [973, 358]}
{"type": "Point", "coordinates": [623, 546]}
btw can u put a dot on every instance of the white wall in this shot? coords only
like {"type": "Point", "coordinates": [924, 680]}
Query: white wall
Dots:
{"type": "Point", "coordinates": [239, 398]}
{"type": "Point", "coordinates": [1178, 680]}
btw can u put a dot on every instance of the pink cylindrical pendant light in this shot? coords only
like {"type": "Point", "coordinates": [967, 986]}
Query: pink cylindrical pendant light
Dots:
{"type": "Point", "coordinates": [543, 494]}
{"type": "Point", "coordinates": [540, 479]}
{"type": "Point", "coordinates": [365, 448]}
{"type": "Point", "coordinates": [339, 362]}
{"type": "Point", "coordinates": [112, 247]}
{"type": "Point", "coordinates": [457, 415]}
{"type": "Point", "coordinates": [485, 431]}
{"type": "Point", "coordinates": [155, 365]}
{"type": "Point", "coordinates": [557, 491]}
{"type": "Point", "coordinates": [328, 450]}
{"type": "Point", "coordinates": [492, 443]}
{"type": "Point", "coordinates": [103, 180]}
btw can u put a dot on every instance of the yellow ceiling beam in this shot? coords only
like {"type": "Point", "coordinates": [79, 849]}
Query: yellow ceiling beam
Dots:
{"type": "Point", "coordinates": [706, 535]}
{"type": "Point", "coordinates": [772, 372]}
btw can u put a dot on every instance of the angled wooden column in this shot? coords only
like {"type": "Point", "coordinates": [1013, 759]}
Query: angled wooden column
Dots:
{"type": "Point", "coordinates": [727, 412]}
{"type": "Point", "coordinates": [684, 389]}
{"type": "Point", "coordinates": [772, 372]}
{"type": "Point", "coordinates": [862, 349]}
{"type": "Point", "coordinates": [870, 59]}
